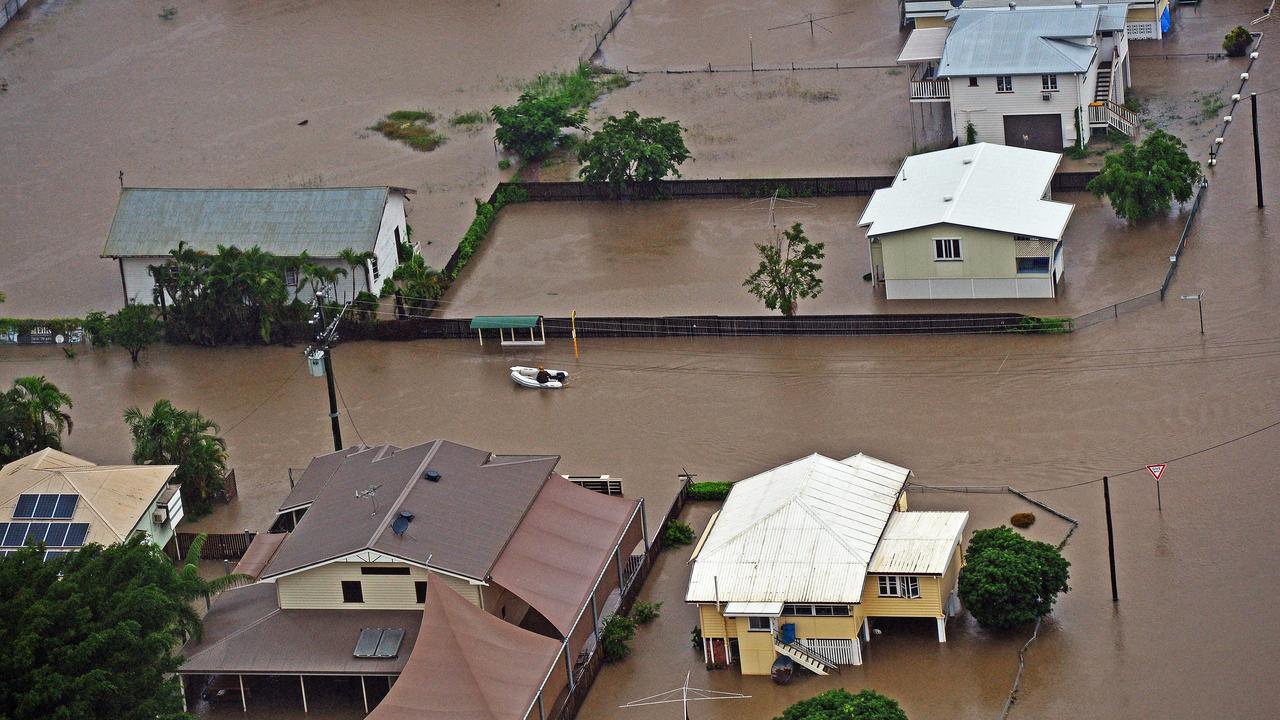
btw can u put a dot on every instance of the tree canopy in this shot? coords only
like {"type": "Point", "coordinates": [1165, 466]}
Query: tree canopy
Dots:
{"type": "Point", "coordinates": [1141, 180]}
{"type": "Point", "coordinates": [169, 436]}
{"type": "Point", "coordinates": [631, 149]}
{"type": "Point", "coordinates": [788, 271]}
{"type": "Point", "coordinates": [843, 705]}
{"type": "Point", "coordinates": [33, 416]}
{"type": "Point", "coordinates": [534, 125]}
{"type": "Point", "coordinates": [133, 328]}
{"type": "Point", "coordinates": [1008, 580]}
{"type": "Point", "coordinates": [92, 635]}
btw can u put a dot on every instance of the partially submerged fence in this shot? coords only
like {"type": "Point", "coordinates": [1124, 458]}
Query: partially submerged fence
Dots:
{"type": "Point", "coordinates": [9, 10]}
{"type": "Point", "coordinates": [217, 546]}
{"type": "Point", "coordinates": [598, 38]}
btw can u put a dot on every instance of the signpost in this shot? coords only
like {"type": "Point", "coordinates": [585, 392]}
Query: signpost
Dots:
{"type": "Point", "coordinates": [1156, 471]}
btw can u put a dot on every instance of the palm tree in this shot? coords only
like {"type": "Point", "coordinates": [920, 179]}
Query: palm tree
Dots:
{"type": "Point", "coordinates": [43, 404]}
{"type": "Point", "coordinates": [202, 587]}
{"type": "Point", "coordinates": [169, 436]}
{"type": "Point", "coordinates": [354, 260]}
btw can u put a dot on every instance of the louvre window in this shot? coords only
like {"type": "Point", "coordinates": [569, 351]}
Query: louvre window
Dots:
{"type": "Point", "coordinates": [946, 248]}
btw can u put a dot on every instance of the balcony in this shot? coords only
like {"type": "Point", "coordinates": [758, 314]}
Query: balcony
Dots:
{"type": "Point", "coordinates": [931, 90]}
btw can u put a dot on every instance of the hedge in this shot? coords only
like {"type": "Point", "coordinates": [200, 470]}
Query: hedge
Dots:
{"type": "Point", "coordinates": [709, 490]}
{"type": "Point", "coordinates": [26, 325]}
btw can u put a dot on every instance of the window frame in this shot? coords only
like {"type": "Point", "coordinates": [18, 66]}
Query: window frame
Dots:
{"type": "Point", "coordinates": [373, 268]}
{"type": "Point", "coordinates": [1049, 82]}
{"type": "Point", "coordinates": [752, 621]}
{"type": "Point", "coordinates": [291, 277]}
{"type": "Point", "coordinates": [348, 586]}
{"type": "Point", "coordinates": [941, 246]}
{"type": "Point", "coordinates": [1005, 82]}
{"type": "Point", "coordinates": [420, 591]}
{"type": "Point", "coordinates": [905, 587]}
{"type": "Point", "coordinates": [973, 81]}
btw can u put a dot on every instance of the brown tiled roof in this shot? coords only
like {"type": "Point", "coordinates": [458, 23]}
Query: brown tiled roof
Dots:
{"type": "Point", "coordinates": [461, 523]}
{"type": "Point", "coordinates": [247, 633]}
{"type": "Point", "coordinates": [259, 553]}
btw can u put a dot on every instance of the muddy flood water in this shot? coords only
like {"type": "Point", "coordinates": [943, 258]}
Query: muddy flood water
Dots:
{"type": "Point", "coordinates": [1193, 635]}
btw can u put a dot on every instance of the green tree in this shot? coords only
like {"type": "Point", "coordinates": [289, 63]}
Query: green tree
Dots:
{"type": "Point", "coordinates": [1008, 580]}
{"type": "Point", "coordinates": [420, 285]}
{"type": "Point", "coordinates": [356, 260]}
{"type": "Point", "coordinates": [1236, 43]}
{"type": "Point", "coordinates": [230, 296]}
{"type": "Point", "coordinates": [843, 705]}
{"type": "Point", "coordinates": [92, 635]}
{"type": "Point", "coordinates": [169, 436]}
{"type": "Point", "coordinates": [202, 587]}
{"type": "Point", "coordinates": [38, 416]}
{"type": "Point", "coordinates": [632, 149]}
{"type": "Point", "coordinates": [618, 630]}
{"type": "Point", "coordinates": [534, 125]}
{"type": "Point", "coordinates": [788, 271]}
{"type": "Point", "coordinates": [1140, 180]}
{"type": "Point", "coordinates": [133, 328]}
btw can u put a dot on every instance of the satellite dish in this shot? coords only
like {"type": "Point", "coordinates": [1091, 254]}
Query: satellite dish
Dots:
{"type": "Point", "coordinates": [956, 3]}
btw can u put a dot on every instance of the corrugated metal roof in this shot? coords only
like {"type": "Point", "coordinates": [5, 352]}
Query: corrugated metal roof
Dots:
{"type": "Point", "coordinates": [149, 222]}
{"type": "Point", "coordinates": [995, 187]}
{"type": "Point", "coordinates": [773, 609]}
{"type": "Point", "coordinates": [1025, 41]}
{"type": "Point", "coordinates": [504, 321]}
{"type": "Point", "coordinates": [918, 543]}
{"type": "Point", "coordinates": [802, 532]}
{"type": "Point", "coordinates": [924, 44]}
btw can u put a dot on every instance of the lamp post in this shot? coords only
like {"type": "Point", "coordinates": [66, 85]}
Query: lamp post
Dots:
{"type": "Point", "coordinates": [320, 363]}
{"type": "Point", "coordinates": [1257, 156]}
{"type": "Point", "coordinates": [1199, 298]}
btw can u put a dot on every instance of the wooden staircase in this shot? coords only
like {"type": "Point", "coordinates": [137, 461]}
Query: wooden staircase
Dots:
{"type": "Point", "coordinates": [1102, 93]}
{"type": "Point", "coordinates": [805, 656]}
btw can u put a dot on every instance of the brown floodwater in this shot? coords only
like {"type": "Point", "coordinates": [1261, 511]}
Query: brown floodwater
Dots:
{"type": "Point", "coordinates": [1189, 637]}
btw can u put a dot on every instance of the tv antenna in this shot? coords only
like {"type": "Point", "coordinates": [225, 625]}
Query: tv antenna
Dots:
{"type": "Point", "coordinates": [773, 201]}
{"type": "Point", "coordinates": [684, 695]}
{"type": "Point", "coordinates": [813, 22]}
{"type": "Point", "coordinates": [370, 493]}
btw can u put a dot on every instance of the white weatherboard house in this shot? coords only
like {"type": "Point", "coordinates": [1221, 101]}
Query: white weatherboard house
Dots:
{"type": "Point", "coordinates": [1041, 78]}
{"type": "Point", "coordinates": [1144, 19]}
{"type": "Point", "coordinates": [974, 221]}
{"type": "Point", "coordinates": [150, 222]}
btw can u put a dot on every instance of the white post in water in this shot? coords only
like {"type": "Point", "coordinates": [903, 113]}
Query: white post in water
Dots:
{"type": "Point", "coordinates": [942, 629]}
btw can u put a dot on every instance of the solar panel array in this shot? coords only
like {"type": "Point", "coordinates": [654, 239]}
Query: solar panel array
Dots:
{"type": "Point", "coordinates": [378, 643]}
{"type": "Point", "coordinates": [45, 506]}
{"type": "Point", "coordinates": [52, 534]}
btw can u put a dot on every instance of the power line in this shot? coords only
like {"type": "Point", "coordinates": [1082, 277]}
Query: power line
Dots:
{"type": "Point", "coordinates": [350, 417]}
{"type": "Point", "coordinates": [263, 401]}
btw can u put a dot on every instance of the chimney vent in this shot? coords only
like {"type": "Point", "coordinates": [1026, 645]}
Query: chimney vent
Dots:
{"type": "Point", "coordinates": [431, 475]}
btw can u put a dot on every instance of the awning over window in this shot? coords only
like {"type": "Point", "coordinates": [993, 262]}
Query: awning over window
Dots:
{"type": "Point", "coordinates": [487, 322]}
{"type": "Point", "coordinates": [767, 609]}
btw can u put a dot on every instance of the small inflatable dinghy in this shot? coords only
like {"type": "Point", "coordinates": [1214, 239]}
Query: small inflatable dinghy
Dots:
{"type": "Point", "coordinates": [528, 377]}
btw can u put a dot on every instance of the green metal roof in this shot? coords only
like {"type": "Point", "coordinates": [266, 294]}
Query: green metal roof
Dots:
{"type": "Point", "coordinates": [486, 322]}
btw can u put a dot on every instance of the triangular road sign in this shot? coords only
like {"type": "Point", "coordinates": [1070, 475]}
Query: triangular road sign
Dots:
{"type": "Point", "coordinates": [1156, 470]}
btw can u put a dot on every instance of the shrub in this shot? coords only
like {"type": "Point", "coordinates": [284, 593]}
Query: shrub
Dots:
{"type": "Point", "coordinates": [1236, 43]}
{"type": "Point", "coordinates": [533, 125]}
{"type": "Point", "coordinates": [677, 534]}
{"type": "Point", "coordinates": [475, 117]}
{"type": "Point", "coordinates": [1008, 580]}
{"type": "Point", "coordinates": [504, 164]}
{"type": "Point", "coordinates": [842, 705]}
{"type": "Point", "coordinates": [1141, 180]}
{"type": "Point", "coordinates": [412, 128]}
{"type": "Point", "coordinates": [970, 133]}
{"type": "Point", "coordinates": [632, 149]}
{"type": "Point", "coordinates": [646, 612]}
{"type": "Point", "coordinates": [95, 324]}
{"type": "Point", "coordinates": [1023, 519]}
{"type": "Point", "coordinates": [709, 490]}
{"type": "Point", "coordinates": [1044, 326]}
{"type": "Point", "coordinates": [695, 637]}
{"type": "Point", "coordinates": [618, 631]}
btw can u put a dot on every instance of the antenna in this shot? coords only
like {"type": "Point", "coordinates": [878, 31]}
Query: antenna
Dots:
{"type": "Point", "coordinates": [683, 695]}
{"type": "Point", "coordinates": [811, 21]}
{"type": "Point", "coordinates": [370, 493]}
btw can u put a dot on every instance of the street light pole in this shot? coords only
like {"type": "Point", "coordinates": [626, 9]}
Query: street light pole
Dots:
{"type": "Point", "coordinates": [1257, 157]}
{"type": "Point", "coordinates": [319, 350]}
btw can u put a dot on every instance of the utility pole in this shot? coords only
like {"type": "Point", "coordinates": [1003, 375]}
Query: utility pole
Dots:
{"type": "Point", "coordinates": [1257, 156]}
{"type": "Point", "coordinates": [319, 359]}
{"type": "Point", "coordinates": [1111, 540]}
{"type": "Point", "coordinates": [751, 51]}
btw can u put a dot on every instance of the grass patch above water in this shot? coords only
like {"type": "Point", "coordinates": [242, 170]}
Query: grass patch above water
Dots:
{"type": "Point", "coordinates": [576, 88]}
{"type": "Point", "coordinates": [475, 117]}
{"type": "Point", "coordinates": [412, 127]}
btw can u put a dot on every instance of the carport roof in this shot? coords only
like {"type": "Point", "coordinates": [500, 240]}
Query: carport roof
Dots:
{"type": "Point", "coordinates": [486, 322]}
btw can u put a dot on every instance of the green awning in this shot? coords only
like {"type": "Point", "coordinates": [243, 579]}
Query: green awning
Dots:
{"type": "Point", "coordinates": [486, 322]}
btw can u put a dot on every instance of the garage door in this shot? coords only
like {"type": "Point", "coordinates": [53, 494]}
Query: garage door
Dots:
{"type": "Point", "coordinates": [1035, 132]}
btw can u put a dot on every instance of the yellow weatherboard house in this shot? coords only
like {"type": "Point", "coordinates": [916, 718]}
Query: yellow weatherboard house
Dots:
{"type": "Point", "coordinates": [802, 558]}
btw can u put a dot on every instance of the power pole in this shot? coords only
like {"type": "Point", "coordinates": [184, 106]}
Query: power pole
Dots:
{"type": "Point", "coordinates": [319, 353]}
{"type": "Point", "coordinates": [1111, 540]}
{"type": "Point", "coordinates": [1257, 156]}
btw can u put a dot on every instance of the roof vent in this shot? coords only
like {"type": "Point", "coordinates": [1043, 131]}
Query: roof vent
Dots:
{"type": "Point", "coordinates": [967, 161]}
{"type": "Point", "coordinates": [431, 475]}
{"type": "Point", "coordinates": [401, 523]}
{"type": "Point", "coordinates": [1079, 3]}
{"type": "Point", "coordinates": [1013, 6]}
{"type": "Point", "coordinates": [946, 198]}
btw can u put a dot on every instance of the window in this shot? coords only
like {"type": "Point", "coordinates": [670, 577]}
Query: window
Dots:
{"type": "Point", "coordinates": [373, 267]}
{"type": "Point", "coordinates": [1049, 83]}
{"type": "Point", "coordinates": [899, 586]}
{"type": "Point", "coordinates": [1004, 83]}
{"type": "Point", "coordinates": [1033, 265]}
{"type": "Point", "coordinates": [818, 610]}
{"type": "Point", "coordinates": [946, 248]}
{"type": "Point", "coordinates": [420, 591]}
{"type": "Point", "coordinates": [352, 592]}
{"type": "Point", "coordinates": [973, 82]}
{"type": "Point", "coordinates": [759, 624]}
{"type": "Point", "coordinates": [382, 570]}
{"type": "Point", "coordinates": [291, 277]}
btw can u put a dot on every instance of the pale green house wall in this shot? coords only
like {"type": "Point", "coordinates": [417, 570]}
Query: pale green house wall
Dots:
{"type": "Point", "coordinates": [984, 254]}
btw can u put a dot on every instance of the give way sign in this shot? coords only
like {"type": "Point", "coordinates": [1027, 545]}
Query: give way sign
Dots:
{"type": "Point", "coordinates": [1156, 470]}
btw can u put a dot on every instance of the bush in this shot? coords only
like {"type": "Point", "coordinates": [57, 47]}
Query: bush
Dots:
{"type": "Point", "coordinates": [475, 117]}
{"type": "Point", "coordinates": [618, 631]}
{"type": "Point", "coordinates": [709, 490]}
{"type": "Point", "coordinates": [695, 637]}
{"type": "Point", "coordinates": [1023, 520]}
{"type": "Point", "coordinates": [1044, 326]}
{"type": "Point", "coordinates": [678, 534]}
{"type": "Point", "coordinates": [1141, 180]}
{"type": "Point", "coordinates": [1236, 43]}
{"type": "Point", "coordinates": [534, 125]}
{"type": "Point", "coordinates": [646, 611]}
{"type": "Point", "coordinates": [843, 705]}
{"type": "Point", "coordinates": [632, 149]}
{"type": "Point", "coordinates": [412, 128]}
{"type": "Point", "coordinates": [970, 134]}
{"type": "Point", "coordinates": [1009, 581]}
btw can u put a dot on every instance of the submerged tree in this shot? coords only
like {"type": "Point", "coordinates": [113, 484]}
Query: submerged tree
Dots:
{"type": "Point", "coordinates": [169, 436]}
{"type": "Point", "coordinates": [1008, 580]}
{"type": "Point", "coordinates": [133, 328]}
{"type": "Point", "coordinates": [841, 704]}
{"type": "Point", "coordinates": [230, 296]}
{"type": "Point", "coordinates": [202, 587]}
{"type": "Point", "coordinates": [33, 416]}
{"type": "Point", "coordinates": [1140, 180]}
{"type": "Point", "coordinates": [535, 124]}
{"type": "Point", "coordinates": [631, 149]}
{"type": "Point", "coordinates": [788, 271]}
{"type": "Point", "coordinates": [356, 260]}
{"type": "Point", "coordinates": [92, 635]}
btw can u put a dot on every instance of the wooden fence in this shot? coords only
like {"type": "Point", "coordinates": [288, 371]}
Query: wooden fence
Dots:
{"type": "Point", "coordinates": [218, 546]}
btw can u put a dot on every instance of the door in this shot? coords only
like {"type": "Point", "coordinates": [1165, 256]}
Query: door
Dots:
{"type": "Point", "coordinates": [1034, 132]}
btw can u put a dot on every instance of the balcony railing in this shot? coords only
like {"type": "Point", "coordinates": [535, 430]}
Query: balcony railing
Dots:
{"type": "Point", "coordinates": [931, 90]}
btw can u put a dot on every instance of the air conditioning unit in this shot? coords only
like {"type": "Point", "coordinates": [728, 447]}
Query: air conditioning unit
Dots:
{"type": "Point", "coordinates": [160, 515]}
{"type": "Point", "coordinates": [1046, 95]}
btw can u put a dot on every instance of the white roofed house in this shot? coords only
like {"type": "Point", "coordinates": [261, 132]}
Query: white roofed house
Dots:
{"type": "Point", "coordinates": [802, 557]}
{"type": "Point", "coordinates": [1144, 19]}
{"type": "Point", "coordinates": [975, 221]}
{"type": "Point", "coordinates": [322, 222]}
{"type": "Point", "coordinates": [1042, 77]}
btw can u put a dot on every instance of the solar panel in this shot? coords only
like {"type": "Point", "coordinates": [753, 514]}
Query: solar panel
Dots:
{"type": "Point", "coordinates": [26, 506]}
{"type": "Point", "coordinates": [389, 645]}
{"type": "Point", "coordinates": [57, 534]}
{"type": "Point", "coordinates": [367, 643]}
{"type": "Point", "coordinates": [76, 533]}
{"type": "Point", "coordinates": [66, 507]}
{"type": "Point", "coordinates": [36, 532]}
{"type": "Point", "coordinates": [45, 505]}
{"type": "Point", "coordinates": [54, 554]}
{"type": "Point", "coordinates": [16, 534]}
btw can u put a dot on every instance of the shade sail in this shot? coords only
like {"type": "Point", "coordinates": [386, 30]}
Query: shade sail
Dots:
{"type": "Point", "coordinates": [486, 322]}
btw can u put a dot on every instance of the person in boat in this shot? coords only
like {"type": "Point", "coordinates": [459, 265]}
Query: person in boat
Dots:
{"type": "Point", "coordinates": [544, 377]}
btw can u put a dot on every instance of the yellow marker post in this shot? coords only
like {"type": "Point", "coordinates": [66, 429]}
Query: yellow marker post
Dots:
{"type": "Point", "coordinates": [573, 330]}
